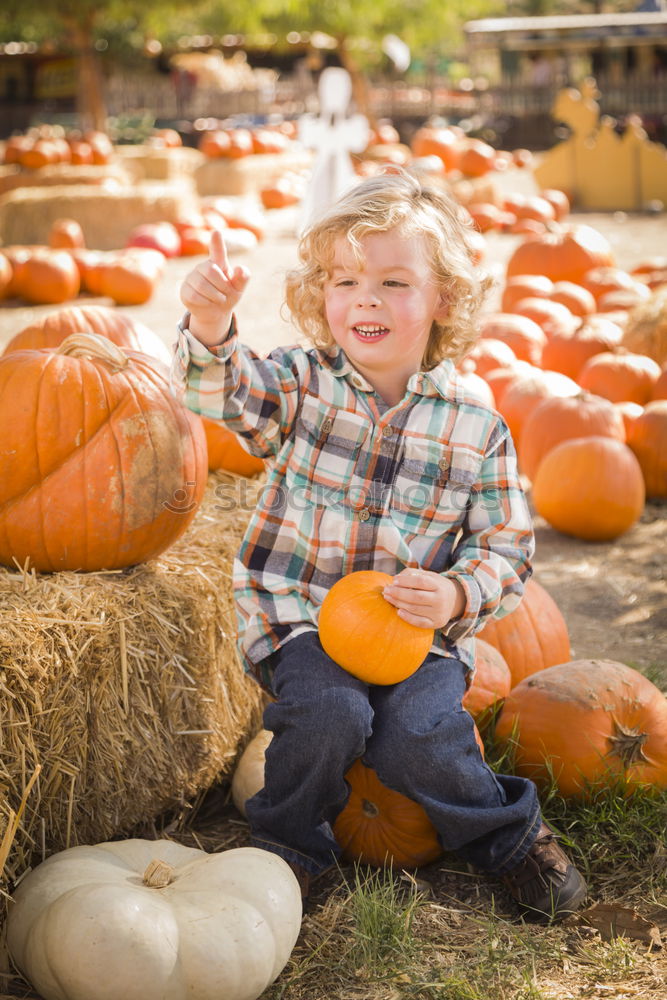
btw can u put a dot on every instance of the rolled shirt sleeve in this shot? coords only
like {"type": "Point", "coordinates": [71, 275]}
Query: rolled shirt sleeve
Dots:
{"type": "Point", "coordinates": [492, 559]}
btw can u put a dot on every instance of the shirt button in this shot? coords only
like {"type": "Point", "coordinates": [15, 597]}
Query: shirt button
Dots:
{"type": "Point", "coordinates": [364, 514]}
{"type": "Point", "coordinates": [327, 424]}
{"type": "Point", "coordinates": [387, 431]}
{"type": "Point", "coordinates": [443, 464]}
{"type": "Point", "coordinates": [356, 380]}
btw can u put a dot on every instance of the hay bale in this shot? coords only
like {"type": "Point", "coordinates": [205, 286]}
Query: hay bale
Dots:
{"type": "Point", "coordinates": [121, 694]}
{"type": "Point", "coordinates": [152, 163]}
{"type": "Point", "coordinates": [12, 176]}
{"type": "Point", "coordinates": [249, 174]}
{"type": "Point", "coordinates": [106, 217]}
{"type": "Point", "coordinates": [646, 328]}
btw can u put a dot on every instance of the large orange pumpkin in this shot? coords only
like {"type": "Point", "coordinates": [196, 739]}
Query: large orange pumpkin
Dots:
{"type": "Point", "coordinates": [568, 352]}
{"type": "Point", "coordinates": [491, 682]}
{"type": "Point", "coordinates": [49, 331]}
{"type": "Point", "coordinates": [531, 637]}
{"type": "Point", "coordinates": [559, 418]}
{"type": "Point", "coordinates": [226, 452]}
{"type": "Point", "coordinates": [523, 286]}
{"type": "Point", "coordinates": [587, 722]}
{"type": "Point", "coordinates": [563, 256]}
{"type": "Point", "coordinates": [620, 376]}
{"type": "Point", "coordinates": [500, 380]}
{"type": "Point", "coordinates": [476, 158]}
{"type": "Point", "coordinates": [590, 488]}
{"type": "Point", "coordinates": [524, 335]}
{"type": "Point", "coordinates": [488, 354]}
{"type": "Point", "coordinates": [647, 437]}
{"type": "Point", "coordinates": [363, 633]}
{"type": "Point", "coordinates": [551, 316]}
{"type": "Point", "coordinates": [130, 277]}
{"type": "Point", "coordinates": [600, 281]}
{"type": "Point", "coordinates": [47, 277]}
{"type": "Point", "coordinates": [442, 142]}
{"type": "Point", "coordinates": [578, 299]}
{"type": "Point", "coordinates": [526, 392]}
{"type": "Point", "coordinates": [100, 467]}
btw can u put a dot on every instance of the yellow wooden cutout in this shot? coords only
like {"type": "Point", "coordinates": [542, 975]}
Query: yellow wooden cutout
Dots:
{"type": "Point", "coordinates": [599, 169]}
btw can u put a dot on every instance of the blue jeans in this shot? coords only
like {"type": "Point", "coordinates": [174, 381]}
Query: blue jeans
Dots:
{"type": "Point", "coordinates": [417, 738]}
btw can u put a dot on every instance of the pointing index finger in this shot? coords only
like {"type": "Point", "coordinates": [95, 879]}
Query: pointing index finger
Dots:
{"type": "Point", "coordinates": [218, 252]}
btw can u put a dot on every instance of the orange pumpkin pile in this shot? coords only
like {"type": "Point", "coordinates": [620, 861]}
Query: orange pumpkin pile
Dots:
{"type": "Point", "coordinates": [574, 354]}
{"type": "Point", "coordinates": [234, 143]}
{"type": "Point", "coordinates": [47, 145]}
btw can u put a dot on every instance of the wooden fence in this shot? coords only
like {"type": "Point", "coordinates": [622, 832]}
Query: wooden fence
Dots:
{"type": "Point", "coordinates": [520, 107]}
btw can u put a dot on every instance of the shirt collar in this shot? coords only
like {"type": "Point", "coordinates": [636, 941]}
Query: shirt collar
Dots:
{"type": "Point", "coordinates": [436, 382]}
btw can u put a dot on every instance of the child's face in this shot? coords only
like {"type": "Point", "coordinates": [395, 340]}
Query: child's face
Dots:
{"type": "Point", "coordinates": [380, 311]}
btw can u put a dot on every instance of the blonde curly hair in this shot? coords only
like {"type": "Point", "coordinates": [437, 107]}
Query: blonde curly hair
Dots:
{"type": "Point", "coordinates": [400, 201]}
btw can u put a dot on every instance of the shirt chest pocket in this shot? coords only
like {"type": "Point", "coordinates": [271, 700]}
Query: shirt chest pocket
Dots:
{"type": "Point", "coordinates": [328, 445]}
{"type": "Point", "coordinates": [433, 487]}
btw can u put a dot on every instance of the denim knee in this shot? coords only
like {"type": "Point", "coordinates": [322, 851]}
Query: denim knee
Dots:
{"type": "Point", "coordinates": [330, 717]}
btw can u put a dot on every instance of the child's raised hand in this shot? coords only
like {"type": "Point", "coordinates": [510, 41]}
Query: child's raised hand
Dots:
{"type": "Point", "coordinates": [424, 598]}
{"type": "Point", "coordinates": [211, 292]}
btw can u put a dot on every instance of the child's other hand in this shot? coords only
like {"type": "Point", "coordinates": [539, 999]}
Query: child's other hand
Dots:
{"type": "Point", "coordinates": [426, 599]}
{"type": "Point", "coordinates": [211, 292]}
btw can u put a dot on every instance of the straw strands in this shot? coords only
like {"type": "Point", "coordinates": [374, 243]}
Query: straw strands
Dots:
{"type": "Point", "coordinates": [121, 693]}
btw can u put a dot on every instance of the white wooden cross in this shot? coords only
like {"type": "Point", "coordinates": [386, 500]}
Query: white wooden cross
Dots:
{"type": "Point", "coordinates": [333, 135]}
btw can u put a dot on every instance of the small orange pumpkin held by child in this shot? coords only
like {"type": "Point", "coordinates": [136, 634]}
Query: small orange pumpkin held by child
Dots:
{"type": "Point", "coordinates": [587, 722]}
{"type": "Point", "coordinates": [364, 634]}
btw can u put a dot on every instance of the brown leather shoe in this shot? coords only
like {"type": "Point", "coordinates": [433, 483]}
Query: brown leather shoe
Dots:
{"type": "Point", "coordinates": [302, 877]}
{"type": "Point", "coordinates": [546, 885]}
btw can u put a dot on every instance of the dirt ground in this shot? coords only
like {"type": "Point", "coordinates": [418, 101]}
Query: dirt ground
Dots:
{"type": "Point", "coordinates": [613, 595]}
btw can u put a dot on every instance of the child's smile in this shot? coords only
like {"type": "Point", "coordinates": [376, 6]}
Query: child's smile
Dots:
{"type": "Point", "coordinates": [370, 332]}
{"type": "Point", "coordinates": [381, 309]}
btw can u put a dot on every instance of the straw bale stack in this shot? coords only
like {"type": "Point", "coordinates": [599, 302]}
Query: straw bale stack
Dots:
{"type": "Point", "coordinates": [152, 163]}
{"type": "Point", "coordinates": [249, 174]}
{"type": "Point", "coordinates": [13, 176]}
{"type": "Point", "coordinates": [121, 694]}
{"type": "Point", "coordinates": [107, 217]}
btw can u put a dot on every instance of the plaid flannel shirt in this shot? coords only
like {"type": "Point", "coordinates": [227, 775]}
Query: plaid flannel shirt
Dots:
{"type": "Point", "coordinates": [352, 484]}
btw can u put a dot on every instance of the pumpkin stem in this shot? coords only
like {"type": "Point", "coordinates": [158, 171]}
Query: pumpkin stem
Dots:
{"type": "Point", "coordinates": [158, 874]}
{"type": "Point", "coordinates": [95, 347]}
{"type": "Point", "coordinates": [369, 808]}
{"type": "Point", "coordinates": [628, 744]}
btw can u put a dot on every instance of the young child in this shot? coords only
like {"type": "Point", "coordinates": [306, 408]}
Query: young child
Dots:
{"type": "Point", "coordinates": [380, 459]}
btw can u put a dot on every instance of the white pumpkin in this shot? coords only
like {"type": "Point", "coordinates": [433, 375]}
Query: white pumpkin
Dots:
{"type": "Point", "coordinates": [248, 776]}
{"type": "Point", "coordinates": [154, 920]}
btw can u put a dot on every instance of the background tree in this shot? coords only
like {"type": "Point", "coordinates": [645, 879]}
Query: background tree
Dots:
{"type": "Point", "coordinates": [358, 27]}
{"type": "Point", "coordinates": [80, 27]}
